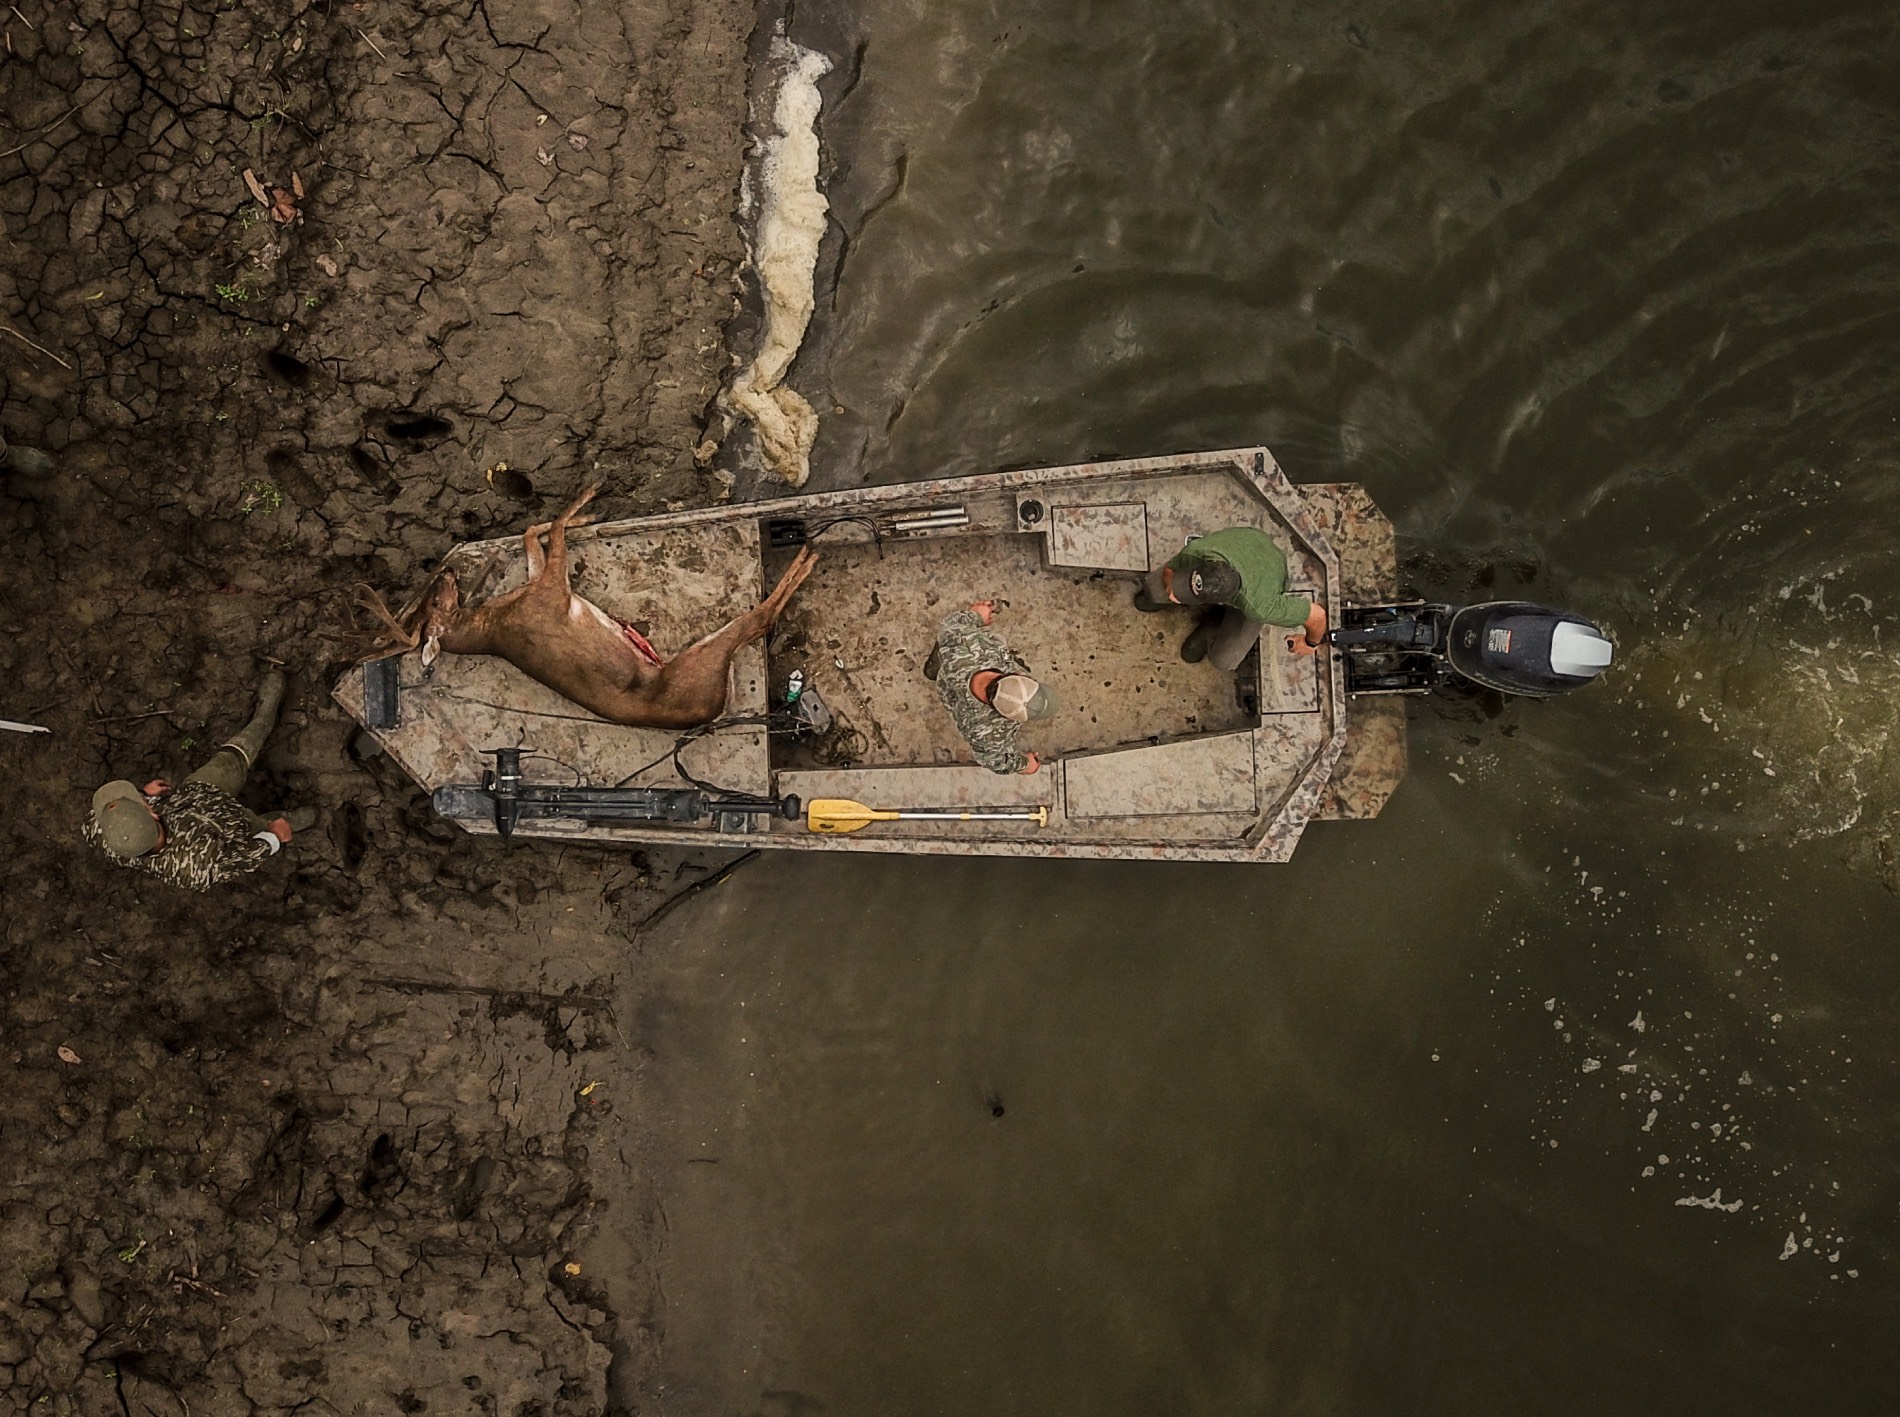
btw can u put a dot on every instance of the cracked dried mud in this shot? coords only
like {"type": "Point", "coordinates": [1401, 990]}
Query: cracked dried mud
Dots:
{"type": "Point", "coordinates": [335, 1135]}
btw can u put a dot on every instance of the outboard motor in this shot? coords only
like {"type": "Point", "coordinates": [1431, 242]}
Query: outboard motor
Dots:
{"type": "Point", "coordinates": [1511, 646]}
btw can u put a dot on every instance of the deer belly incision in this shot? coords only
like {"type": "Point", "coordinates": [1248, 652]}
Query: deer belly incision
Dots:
{"type": "Point", "coordinates": [640, 645]}
{"type": "Point", "coordinates": [581, 607]}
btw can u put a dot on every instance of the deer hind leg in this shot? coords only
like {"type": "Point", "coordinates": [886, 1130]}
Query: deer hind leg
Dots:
{"type": "Point", "coordinates": [691, 687]}
{"type": "Point", "coordinates": [788, 585]}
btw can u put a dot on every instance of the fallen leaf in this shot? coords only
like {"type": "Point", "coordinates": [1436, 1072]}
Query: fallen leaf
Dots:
{"type": "Point", "coordinates": [283, 207]}
{"type": "Point", "coordinates": [257, 188]}
{"type": "Point", "coordinates": [540, 119]}
{"type": "Point", "coordinates": [571, 1268]}
{"type": "Point", "coordinates": [588, 1091]}
{"type": "Point", "coordinates": [296, 185]}
{"type": "Point", "coordinates": [327, 264]}
{"type": "Point", "coordinates": [577, 141]}
{"type": "Point", "coordinates": [543, 156]}
{"type": "Point", "coordinates": [66, 1055]}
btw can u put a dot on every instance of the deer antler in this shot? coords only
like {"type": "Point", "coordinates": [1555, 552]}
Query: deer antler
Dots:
{"type": "Point", "coordinates": [398, 639]}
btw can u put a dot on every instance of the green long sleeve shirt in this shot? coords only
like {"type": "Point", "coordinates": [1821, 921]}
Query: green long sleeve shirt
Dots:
{"type": "Point", "coordinates": [1262, 567]}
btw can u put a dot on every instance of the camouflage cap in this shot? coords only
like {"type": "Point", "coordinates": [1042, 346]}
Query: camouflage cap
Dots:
{"type": "Point", "coordinates": [1020, 698]}
{"type": "Point", "coordinates": [126, 825]}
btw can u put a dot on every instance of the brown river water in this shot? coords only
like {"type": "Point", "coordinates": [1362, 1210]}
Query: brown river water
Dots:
{"type": "Point", "coordinates": [1566, 1086]}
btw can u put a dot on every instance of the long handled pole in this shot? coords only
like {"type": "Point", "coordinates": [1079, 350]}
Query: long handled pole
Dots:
{"type": "Point", "coordinates": [836, 815]}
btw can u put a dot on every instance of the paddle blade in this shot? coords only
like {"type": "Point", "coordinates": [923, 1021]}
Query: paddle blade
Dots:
{"type": "Point", "coordinates": [838, 814]}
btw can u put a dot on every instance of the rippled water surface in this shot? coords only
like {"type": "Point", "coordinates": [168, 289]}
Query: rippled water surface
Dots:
{"type": "Point", "coordinates": [1568, 1085]}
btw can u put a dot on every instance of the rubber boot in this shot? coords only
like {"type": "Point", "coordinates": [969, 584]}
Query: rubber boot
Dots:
{"type": "Point", "coordinates": [249, 740]}
{"type": "Point", "coordinates": [1195, 647]}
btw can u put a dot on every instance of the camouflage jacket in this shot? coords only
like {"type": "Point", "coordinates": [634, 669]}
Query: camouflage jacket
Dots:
{"type": "Point", "coordinates": [209, 838]}
{"type": "Point", "coordinates": [964, 647]}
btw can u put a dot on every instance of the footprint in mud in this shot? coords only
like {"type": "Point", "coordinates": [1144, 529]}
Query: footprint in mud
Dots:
{"type": "Point", "coordinates": [350, 835]}
{"type": "Point", "coordinates": [287, 368]}
{"type": "Point", "coordinates": [284, 469]}
{"type": "Point", "coordinates": [414, 431]}
{"type": "Point", "coordinates": [468, 1195]}
{"type": "Point", "coordinates": [325, 1218]}
{"type": "Point", "coordinates": [371, 468]}
{"type": "Point", "coordinates": [382, 1174]}
{"type": "Point", "coordinates": [513, 484]}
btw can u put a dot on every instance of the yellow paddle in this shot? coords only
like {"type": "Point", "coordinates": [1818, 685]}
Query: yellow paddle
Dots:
{"type": "Point", "coordinates": [836, 814]}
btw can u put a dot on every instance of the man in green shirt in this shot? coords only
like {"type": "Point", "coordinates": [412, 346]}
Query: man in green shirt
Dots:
{"type": "Point", "coordinates": [1240, 574]}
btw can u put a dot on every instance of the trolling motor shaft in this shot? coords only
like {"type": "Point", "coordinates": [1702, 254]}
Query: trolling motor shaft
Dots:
{"type": "Point", "coordinates": [513, 801]}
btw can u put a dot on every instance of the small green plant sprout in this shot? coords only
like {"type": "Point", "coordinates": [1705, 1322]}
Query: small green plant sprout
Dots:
{"type": "Point", "coordinates": [311, 302]}
{"type": "Point", "coordinates": [236, 293]}
{"type": "Point", "coordinates": [132, 1252]}
{"type": "Point", "coordinates": [185, 745]}
{"type": "Point", "coordinates": [247, 218]}
{"type": "Point", "coordinates": [260, 496]}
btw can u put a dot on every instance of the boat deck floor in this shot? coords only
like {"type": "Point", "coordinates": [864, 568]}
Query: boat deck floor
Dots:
{"type": "Point", "coordinates": [867, 618]}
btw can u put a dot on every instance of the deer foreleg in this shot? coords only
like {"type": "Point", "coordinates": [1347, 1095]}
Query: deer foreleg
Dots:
{"type": "Point", "coordinates": [537, 558]}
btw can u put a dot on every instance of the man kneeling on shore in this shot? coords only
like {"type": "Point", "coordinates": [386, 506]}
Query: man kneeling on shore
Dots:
{"type": "Point", "coordinates": [198, 835]}
{"type": "Point", "coordinates": [987, 689]}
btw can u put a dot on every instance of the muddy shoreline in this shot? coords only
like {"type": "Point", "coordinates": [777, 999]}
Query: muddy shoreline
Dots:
{"type": "Point", "coordinates": [342, 1131]}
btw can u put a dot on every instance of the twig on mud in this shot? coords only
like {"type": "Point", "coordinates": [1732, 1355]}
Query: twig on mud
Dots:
{"type": "Point", "coordinates": [22, 338]}
{"type": "Point", "coordinates": [42, 133]}
{"type": "Point", "coordinates": [181, 1282]}
{"type": "Point", "coordinates": [92, 689]}
{"type": "Point", "coordinates": [370, 42]}
{"type": "Point", "coordinates": [678, 898]}
{"type": "Point", "coordinates": [23, 19]}
{"type": "Point", "coordinates": [134, 717]}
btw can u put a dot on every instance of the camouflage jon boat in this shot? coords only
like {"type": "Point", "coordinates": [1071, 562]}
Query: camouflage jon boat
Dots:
{"type": "Point", "coordinates": [1148, 757]}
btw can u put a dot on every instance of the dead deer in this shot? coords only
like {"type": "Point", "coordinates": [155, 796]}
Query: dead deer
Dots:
{"type": "Point", "coordinates": [568, 643]}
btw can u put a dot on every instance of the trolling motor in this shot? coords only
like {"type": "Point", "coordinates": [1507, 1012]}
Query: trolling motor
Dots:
{"type": "Point", "coordinates": [1511, 646]}
{"type": "Point", "coordinates": [513, 801]}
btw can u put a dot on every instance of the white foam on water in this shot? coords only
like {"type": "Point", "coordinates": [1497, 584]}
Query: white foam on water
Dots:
{"type": "Point", "coordinates": [785, 254]}
{"type": "Point", "coordinates": [1811, 702]}
{"type": "Point", "coordinates": [1711, 1202]}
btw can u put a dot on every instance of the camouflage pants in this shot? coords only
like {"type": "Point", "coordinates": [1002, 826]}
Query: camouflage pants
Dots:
{"type": "Point", "coordinates": [231, 764]}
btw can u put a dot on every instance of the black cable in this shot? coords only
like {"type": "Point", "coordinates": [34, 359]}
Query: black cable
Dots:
{"type": "Point", "coordinates": [782, 719]}
{"type": "Point", "coordinates": [580, 778]}
{"type": "Point", "coordinates": [814, 530]}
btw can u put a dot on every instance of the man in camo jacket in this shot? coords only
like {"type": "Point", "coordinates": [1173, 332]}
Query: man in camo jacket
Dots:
{"type": "Point", "coordinates": [987, 689]}
{"type": "Point", "coordinates": [198, 835]}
